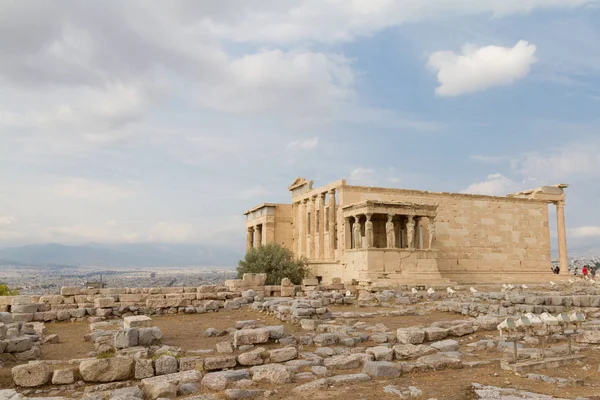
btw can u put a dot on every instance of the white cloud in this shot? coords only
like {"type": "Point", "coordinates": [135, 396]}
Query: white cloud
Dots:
{"type": "Point", "coordinates": [494, 185]}
{"type": "Point", "coordinates": [83, 189]}
{"type": "Point", "coordinates": [480, 68]}
{"type": "Point", "coordinates": [7, 220]}
{"type": "Point", "coordinates": [306, 144]}
{"type": "Point", "coordinates": [362, 176]}
{"type": "Point", "coordinates": [294, 82]}
{"type": "Point", "coordinates": [585, 232]}
{"type": "Point", "coordinates": [335, 20]}
{"type": "Point", "coordinates": [578, 160]}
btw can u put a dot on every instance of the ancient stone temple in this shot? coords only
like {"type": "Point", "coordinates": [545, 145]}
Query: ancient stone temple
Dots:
{"type": "Point", "coordinates": [410, 237]}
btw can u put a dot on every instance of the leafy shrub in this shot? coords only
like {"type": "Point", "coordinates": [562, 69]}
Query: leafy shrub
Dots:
{"type": "Point", "coordinates": [6, 291]}
{"type": "Point", "coordinates": [276, 261]}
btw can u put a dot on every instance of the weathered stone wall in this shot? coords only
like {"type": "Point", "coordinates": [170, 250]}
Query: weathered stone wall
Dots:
{"type": "Point", "coordinates": [479, 238]}
{"type": "Point", "coordinates": [76, 303]}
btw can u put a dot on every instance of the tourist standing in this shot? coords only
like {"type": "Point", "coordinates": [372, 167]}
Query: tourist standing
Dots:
{"type": "Point", "coordinates": [584, 271]}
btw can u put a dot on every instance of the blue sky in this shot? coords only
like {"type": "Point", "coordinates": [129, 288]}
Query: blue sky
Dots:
{"type": "Point", "coordinates": [165, 121]}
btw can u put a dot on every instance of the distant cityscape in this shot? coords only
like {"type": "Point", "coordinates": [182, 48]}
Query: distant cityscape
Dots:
{"type": "Point", "coordinates": [48, 280]}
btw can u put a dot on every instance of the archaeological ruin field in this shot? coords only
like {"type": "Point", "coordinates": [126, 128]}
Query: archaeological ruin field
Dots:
{"type": "Point", "coordinates": [322, 341]}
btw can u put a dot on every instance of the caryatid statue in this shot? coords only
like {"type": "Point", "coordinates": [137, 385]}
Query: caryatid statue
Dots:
{"type": "Point", "coordinates": [431, 229]}
{"type": "Point", "coordinates": [390, 233]}
{"type": "Point", "coordinates": [356, 233]}
{"type": "Point", "coordinates": [410, 231]}
{"type": "Point", "coordinates": [369, 231]}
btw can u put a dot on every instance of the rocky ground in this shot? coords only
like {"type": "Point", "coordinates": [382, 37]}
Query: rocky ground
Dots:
{"type": "Point", "coordinates": [391, 346]}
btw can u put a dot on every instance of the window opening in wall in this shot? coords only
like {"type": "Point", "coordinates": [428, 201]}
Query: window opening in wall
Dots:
{"type": "Point", "coordinates": [319, 279]}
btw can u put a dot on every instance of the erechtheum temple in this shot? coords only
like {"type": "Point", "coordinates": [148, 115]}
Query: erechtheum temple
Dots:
{"type": "Point", "coordinates": [410, 237]}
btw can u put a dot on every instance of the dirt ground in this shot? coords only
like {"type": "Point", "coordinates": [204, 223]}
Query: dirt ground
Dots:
{"type": "Point", "coordinates": [187, 332]}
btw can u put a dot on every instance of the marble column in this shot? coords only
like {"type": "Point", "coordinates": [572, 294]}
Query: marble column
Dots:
{"type": "Point", "coordinates": [313, 227]}
{"type": "Point", "coordinates": [249, 238]}
{"type": "Point", "coordinates": [257, 234]}
{"type": "Point", "coordinates": [410, 232]}
{"type": "Point", "coordinates": [369, 231]}
{"type": "Point", "coordinates": [322, 226]}
{"type": "Point", "coordinates": [332, 232]}
{"type": "Point", "coordinates": [348, 241]}
{"type": "Point", "coordinates": [562, 237]}
{"type": "Point", "coordinates": [431, 229]}
{"type": "Point", "coordinates": [390, 232]}
{"type": "Point", "coordinates": [304, 233]}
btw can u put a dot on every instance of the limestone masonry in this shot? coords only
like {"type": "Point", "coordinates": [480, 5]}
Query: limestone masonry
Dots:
{"type": "Point", "coordinates": [410, 237]}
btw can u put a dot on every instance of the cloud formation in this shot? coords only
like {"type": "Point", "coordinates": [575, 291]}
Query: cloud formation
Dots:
{"type": "Point", "coordinates": [306, 144]}
{"type": "Point", "coordinates": [480, 68]}
{"type": "Point", "coordinates": [585, 232]}
{"type": "Point", "coordinates": [495, 185]}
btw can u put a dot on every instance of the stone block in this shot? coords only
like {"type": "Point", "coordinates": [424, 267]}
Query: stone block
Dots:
{"type": "Point", "coordinates": [409, 351]}
{"type": "Point", "coordinates": [104, 302]}
{"type": "Point", "coordinates": [251, 336]}
{"type": "Point", "coordinates": [70, 291]}
{"type": "Point", "coordinates": [441, 361]}
{"type": "Point", "coordinates": [381, 353]}
{"type": "Point", "coordinates": [410, 335]}
{"type": "Point", "coordinates": [218, 381]}
{"type": "Point", "coordinates": [149, 336]}
{"type": "Point", "coordinates": [161, 390]}
{"type": "Point", "coordinates": [435, 333]}
{"type": "Point", "coordinates": [18, 344]}
{"type": "Point", "coordinates": [224, 347]}
{"type": "Point", "coordinates": [63, 315]}
{"type": "Point", "coordinates": [461, 330]}
{"type": "Point", "coordinates": [214, 363]}
{"type": "Point", "coordinates": [31, 375]}
{"type": "Point", "coordinates": [24, 308]}
{"type": "Point", "coordinates": [143, 369]}
{"type": "Point", "coordinates": [22, 317]}
{"type": "Point", "coordinates": [382, 369]}
{"type": "Point", "coordinates": [165, 365]}
{"type": "Point", "coordinates": [592, 337]}
{"type": "Point", "coordinates": [125, 338]}
{"type": "Point", "coordinates": [343, 362]}
{"type": "Point", "coordinates": [137, 321]}
{"type": "Point", "coordinates": [446, 345]}
{"type": "Point", "coordinates": [251, 358]}
{"type": "Point", "coordinates": [63, 377]}
{"type": "Point", "coordinates": [190, 363]}
{"type": "Point", "coordinates": [282, 355]}
{"type": "Point", "coordinates": [77, 312]}
{"type": "Point", "coordinates": [15, 300]}
{"type": "Point", "coordinates": [271, 373]}
{"type": "Point", "coordinates": [106, 369]}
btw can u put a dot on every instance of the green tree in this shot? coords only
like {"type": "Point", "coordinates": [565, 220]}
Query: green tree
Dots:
{"type": "Point", "coordinates": [276, 261]}
{"type": "Point", "coordinates": [6, 291]}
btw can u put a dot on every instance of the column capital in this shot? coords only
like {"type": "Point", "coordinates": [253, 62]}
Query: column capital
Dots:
{"type": "Point", "coordinates": [560, 203]}
{"type": "Point", "coordinates": [304, 201]}
{"type": "Point", "coordinates": [250, 228]}
{"type": "Point", "coordinates": [322, 195]}
{"type": "Point", "coordinates": [390, 217]}
{"type": "Point", "coordinates": [368, 215]}
{"type": "Point", "coordinates": [331, 191]}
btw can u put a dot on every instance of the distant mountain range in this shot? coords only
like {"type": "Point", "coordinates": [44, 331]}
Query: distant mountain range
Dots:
{"type": "Point", "coordinates": [119, 255]}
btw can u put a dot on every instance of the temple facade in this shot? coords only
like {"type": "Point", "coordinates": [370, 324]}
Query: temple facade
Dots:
{"type": "Point", "coordinates": [410, 237]}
